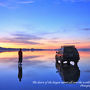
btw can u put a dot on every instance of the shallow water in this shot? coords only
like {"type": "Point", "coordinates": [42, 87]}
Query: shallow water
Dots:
{"type": "Point", "coordinates": [38, 71]}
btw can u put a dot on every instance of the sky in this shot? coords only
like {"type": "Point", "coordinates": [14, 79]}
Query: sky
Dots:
{"type": "Point", "coordinates": [45, 24]}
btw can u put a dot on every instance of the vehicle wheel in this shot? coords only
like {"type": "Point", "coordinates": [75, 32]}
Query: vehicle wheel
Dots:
{"type": "Point", "coordinates": [56, 61]}
{"type": "Point", "coordinates": [68, 62]}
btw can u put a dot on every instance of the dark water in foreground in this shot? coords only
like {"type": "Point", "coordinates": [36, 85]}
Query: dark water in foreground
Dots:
{"type": "Point", "coordinates": [38, 72]}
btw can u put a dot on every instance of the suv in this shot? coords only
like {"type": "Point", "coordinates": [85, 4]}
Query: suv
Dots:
{"type": "Point", "coordinates": [67, 53]}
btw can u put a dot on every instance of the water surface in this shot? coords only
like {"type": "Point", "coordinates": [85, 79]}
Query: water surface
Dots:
{"type": "Point", "coordinates": [38, 71]}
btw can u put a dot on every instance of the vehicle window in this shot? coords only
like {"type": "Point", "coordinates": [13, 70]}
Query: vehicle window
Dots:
{"type": "Point", "coordinates": [69, 50]}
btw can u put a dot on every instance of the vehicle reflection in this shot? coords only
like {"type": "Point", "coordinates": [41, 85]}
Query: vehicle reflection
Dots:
{"type": "Point", "coordinates": [20, 72]}
{"type": "Point", "coordinates": [68, 73]}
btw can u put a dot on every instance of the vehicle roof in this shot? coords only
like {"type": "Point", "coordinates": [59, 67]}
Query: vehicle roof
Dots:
{"type": "Point", "coordinates": [70, 46]}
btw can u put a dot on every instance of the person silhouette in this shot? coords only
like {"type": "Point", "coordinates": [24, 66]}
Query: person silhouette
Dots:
{"type": "Point", "coordinates": [20, 54]}
{"type": "Point", "coordinates": [20, 72]}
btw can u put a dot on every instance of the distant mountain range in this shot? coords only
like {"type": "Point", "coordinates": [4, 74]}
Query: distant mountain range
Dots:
{"type": "Point", "coordinates": [84, 49]}
{"type": "Point", "coordinates": [2, 49]}
{"type": "Point", "coordinates": [10, 49]}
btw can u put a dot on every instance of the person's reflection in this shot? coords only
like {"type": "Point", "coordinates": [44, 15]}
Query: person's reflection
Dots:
{"type": "Point", "coordinates": [20, 72]}
{"type": "Point", "coordinates": [68, 73]}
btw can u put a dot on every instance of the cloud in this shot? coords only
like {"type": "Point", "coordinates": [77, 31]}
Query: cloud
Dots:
{"type": "Point", "coordinates": [58, 2]}
{"type": "Point", "coordinates": [13, 40]}
{"type": "Point", "coordinates": [17, 3]}
{"type": "Point", "coordinates": [14, 3]}
{"type": "Point", "coordinates": [86, 29]}
{"type": "Point", "coordinates": [21, 38]}
{"type": "Point", "coordinates": [76, 0]}
{"type": "Point", "coordinates": [72, 43]}
{"type": "Point", "coordinates": [2, 4]}
{"type": "Point", "coordinates": [26, 36]}
{"type": "Point", "coordinates": [25, 2]}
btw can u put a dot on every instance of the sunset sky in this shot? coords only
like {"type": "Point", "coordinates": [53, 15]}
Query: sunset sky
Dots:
{"type": "Point", "coordinates": [44, 23]}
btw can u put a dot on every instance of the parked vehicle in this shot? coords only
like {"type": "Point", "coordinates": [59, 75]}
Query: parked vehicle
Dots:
{"type": "Point", "coordinates": [67, 53]}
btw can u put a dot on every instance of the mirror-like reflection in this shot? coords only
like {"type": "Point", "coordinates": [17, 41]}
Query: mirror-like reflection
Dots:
{"type": "Point", "coordinates": [68, 73]}
{"type": "Point", "coordinates": [20, 72]}
{"type": "Point", "coordinates": [39, 64]}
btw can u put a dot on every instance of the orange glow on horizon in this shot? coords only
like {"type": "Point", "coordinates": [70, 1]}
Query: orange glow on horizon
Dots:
{"type": "Point", "coordinates": [45, 45]}
{"type": "Point", "coordinates": [36, 55]}
{"type": "Point", "coordinates": [29, 55]}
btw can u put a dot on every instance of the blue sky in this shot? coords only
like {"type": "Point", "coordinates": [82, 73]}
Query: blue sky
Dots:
{"type": "Point", "coordinates": [61, 21]}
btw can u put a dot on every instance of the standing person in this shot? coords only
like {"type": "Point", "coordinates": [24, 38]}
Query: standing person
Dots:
{"type": "Point", "coordinates": [20, 56]}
